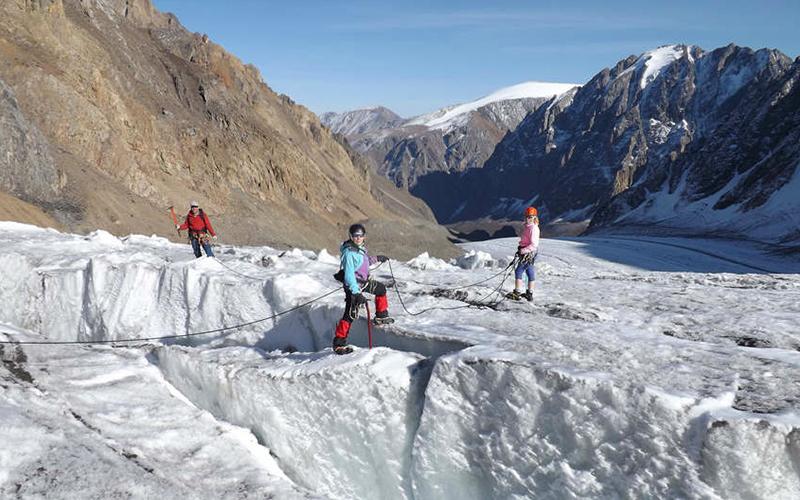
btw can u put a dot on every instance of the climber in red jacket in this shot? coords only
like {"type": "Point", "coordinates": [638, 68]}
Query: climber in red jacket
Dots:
{"type": "Point", "coordinates": [200, 230]}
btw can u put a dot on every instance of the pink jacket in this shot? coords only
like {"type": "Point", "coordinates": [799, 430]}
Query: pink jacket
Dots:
{"type": "Point", "coordinates": [529, 239]}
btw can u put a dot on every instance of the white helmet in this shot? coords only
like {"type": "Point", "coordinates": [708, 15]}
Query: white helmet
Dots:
{"type": "Point", "coordinates": [194, 204]}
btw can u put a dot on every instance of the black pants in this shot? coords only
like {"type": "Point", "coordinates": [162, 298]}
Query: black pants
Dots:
{"type": "Point", "coordinates": [350, 308]}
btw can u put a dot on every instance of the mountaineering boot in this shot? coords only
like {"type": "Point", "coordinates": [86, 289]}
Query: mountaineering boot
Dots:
{"type": "Point", "coordinates": [386, 320]}
{"type": "Point", "coordinates": [342, 349]}
{"type": "Point", "coordinates": [529, 295]}
{"type": "Point", "coordinates": [515, 295]}
{"type": "Point", "coordinates": [340, 340]}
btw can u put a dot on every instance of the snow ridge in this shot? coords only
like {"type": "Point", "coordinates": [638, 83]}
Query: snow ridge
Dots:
{"type": "Point", "coordinates": [655, 60]}
{"type": "Point", "coordinates": [442, 118]}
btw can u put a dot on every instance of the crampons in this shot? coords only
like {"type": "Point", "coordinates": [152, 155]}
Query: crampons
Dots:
{"type": "Point", "coordinates": [342, 349]}
{"type": "Point", "coordinates": [515, 295]}
{"type": "Point", "coordinates": [382, 321]}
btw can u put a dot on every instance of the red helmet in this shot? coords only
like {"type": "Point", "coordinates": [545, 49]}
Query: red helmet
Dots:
{"type": "Point", "coordinates": [531, 211]}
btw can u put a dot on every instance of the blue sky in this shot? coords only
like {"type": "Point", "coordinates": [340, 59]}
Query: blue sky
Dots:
{"type": "Point", "coordinates": [416, 56]}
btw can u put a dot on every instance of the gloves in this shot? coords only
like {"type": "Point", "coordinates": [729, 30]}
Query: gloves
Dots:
{"type": "Point", "coordinates": [382, 258]}
{"type": "Point", "coordinates": [214, 237]}
{"type": "Point", "coordinates": [177, 226]}
{"type": "Point", "coordinates": [359, 299]}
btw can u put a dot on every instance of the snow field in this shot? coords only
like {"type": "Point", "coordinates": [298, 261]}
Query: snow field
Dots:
{"type": "Point", "coordinates": [624, 378]}
{"type": "Point", "coordinates": [82, 422]}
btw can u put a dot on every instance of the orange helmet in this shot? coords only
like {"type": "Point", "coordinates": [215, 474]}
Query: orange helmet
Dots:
{"type": "Point", "coordinates": [531, 211]}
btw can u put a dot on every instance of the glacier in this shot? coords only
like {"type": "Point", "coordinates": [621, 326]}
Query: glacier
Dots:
{"type": "Point", "coordinates": [645, 367]}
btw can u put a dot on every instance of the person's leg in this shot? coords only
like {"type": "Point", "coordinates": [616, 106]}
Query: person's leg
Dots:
{"type": "Point", "coordinates": [531, 272]}
{"type": "Point", "coordinates": [196, 247]}
{"type": "Point", "coordinates": [207, 248]}
{"type": "Point", "coordinates": [531, 282]}
{"type": "Point", "coordinates": [381, 302]}
{"type": "Point", "coordinates": [343, 327]}
{"type": "Point", "coordinates": [518, 273]}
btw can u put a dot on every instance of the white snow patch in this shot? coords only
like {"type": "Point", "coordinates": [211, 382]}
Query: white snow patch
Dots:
{"type": "Point", "coordinates": [475, 259]}
{"type": "Point", "coordinates": [655, 60]}
{"type": "Point", "coordinates": [424, 261]}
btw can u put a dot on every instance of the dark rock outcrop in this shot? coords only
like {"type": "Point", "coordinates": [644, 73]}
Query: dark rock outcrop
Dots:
{"type": "Point", "coordinates": [27, 169]}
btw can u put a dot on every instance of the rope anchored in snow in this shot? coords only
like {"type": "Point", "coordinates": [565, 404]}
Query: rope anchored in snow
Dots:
{"type": "Point", "coordinates": [478, 303]}
{"type": "Point", "coordinates": [166, 337]}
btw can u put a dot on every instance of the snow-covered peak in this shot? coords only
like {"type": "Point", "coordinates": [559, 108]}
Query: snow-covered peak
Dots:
{"type": "Point", "coordinates": [361, 121]}
{"type": "Point", "coordinates": [655, 60]}
{"type": "Point", "coordinates": [442, 118]}
{"type": "Point", "coordinates": [652, 62]}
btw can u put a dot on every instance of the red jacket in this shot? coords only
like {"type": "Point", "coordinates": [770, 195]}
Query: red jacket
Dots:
{"type": "Point", "coordinates": [198, 223]}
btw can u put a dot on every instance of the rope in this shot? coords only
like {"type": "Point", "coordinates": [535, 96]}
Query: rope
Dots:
{"type": "Point", "coordinates": [164, 337]}
{"type": "Point", "coordinates": [507, 271]}
{"type": "Point", "coordinates": [234, 271]}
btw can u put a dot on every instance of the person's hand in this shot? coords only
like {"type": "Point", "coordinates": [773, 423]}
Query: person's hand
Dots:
{"type": "Point", "coordinates": [214, 237]}
{"type": "Point", "coordinates": [359, 299]}
{"type": "Point", "coordinates": [177, 226]}
{"type": "Point", "coordinates": [382, 258]}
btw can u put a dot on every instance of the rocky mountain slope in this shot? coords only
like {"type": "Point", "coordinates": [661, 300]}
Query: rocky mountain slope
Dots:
{"type": "Point", "coordinates": [451, 139]}
{"type": "Point", "coordinates": [677, 138]}
{"type": "Point", "coordinates": [112, 111]}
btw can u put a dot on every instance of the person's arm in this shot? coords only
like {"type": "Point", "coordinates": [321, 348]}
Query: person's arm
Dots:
{"type": "Point", "coordinates": [349, 266]}
{"type": "Point", "coordinates": [185, 224]}
{"type": "Point", "coordinates": [208, 224]}
{"type": "Point", "coordinates": [534, 246]}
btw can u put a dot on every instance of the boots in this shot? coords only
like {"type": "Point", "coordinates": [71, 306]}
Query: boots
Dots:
{"type": "Point", "coordinates": [340, 338]}
{"type": "Point", "coordinates": [382, 311]}
{"type": "Point", "coordinates": [529, 295]}
{"type": "Point", "coordinates": [515, 295]}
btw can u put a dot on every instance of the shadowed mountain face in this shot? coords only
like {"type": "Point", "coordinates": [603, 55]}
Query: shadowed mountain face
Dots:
{"type": "Point", "coordinates": [113, 111]}
{"type": "Point", "coordinates": [677, 138]}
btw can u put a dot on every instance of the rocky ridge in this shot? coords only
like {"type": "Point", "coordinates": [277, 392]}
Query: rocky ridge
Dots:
{"type": "Point", "coordinates": [120, 95]}
{"type": "Point", "coordinates": [452, 139]}
{"type": "Point", "coordinates": [677, 138]}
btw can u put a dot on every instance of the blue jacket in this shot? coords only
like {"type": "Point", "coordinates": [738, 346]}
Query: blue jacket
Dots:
{"type": "Point", "coordinates": [355, 262]}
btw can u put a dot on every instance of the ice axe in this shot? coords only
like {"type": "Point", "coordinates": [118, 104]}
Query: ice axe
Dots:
{"type": "Point", "coordinates": [369, 326]}
{"type": "Point", "coordinates": [174, 217]}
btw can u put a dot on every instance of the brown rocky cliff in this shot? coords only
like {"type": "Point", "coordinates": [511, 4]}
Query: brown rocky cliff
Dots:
{"type": "Point", "coordinates": [139, 114]}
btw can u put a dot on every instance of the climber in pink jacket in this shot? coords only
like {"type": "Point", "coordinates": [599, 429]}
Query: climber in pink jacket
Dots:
{"type": "Point", "coordinates": [527, 249]}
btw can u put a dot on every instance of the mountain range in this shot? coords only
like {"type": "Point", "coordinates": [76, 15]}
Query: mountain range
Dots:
{"type": "Point", "coordinates": [112, 111]}
{"type": "Point", "coordinates": [451, 139]}
{"type": "Point", "coordinates": [675, 140]}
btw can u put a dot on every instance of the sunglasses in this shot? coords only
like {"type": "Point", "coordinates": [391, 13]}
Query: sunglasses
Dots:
{"type": "Point", "coordinates": [358, 235]}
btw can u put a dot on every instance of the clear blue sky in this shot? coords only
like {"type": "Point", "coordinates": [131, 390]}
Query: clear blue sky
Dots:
{"type": "Point", "coordinates": [415, 56]}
